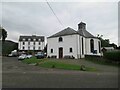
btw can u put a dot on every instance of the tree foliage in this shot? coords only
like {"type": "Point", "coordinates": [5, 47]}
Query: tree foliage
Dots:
{"type": "Point", "coordinates": [3, 34]}
{"type": "Point", "coordinates": [106, 42]}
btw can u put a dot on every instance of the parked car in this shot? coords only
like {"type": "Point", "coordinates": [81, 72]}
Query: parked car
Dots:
{"type": "Point", "coordinates": [40, 55]}
{"type": "Point", "coordinates": [22, 57]}
{"type": "Point", "coordinates": [10, 55]}
{"type": "Point", "coordinates": [28, 56]}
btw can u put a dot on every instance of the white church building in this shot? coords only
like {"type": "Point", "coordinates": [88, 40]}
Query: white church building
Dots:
{"type": "Point", "coordinates": [75, 43]}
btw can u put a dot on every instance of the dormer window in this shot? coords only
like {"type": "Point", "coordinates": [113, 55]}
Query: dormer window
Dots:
{"type": "Point", "coordinates": [60, 39]}
{"type": "Point", "coordinates": [39, 39]}
{"type": "Point", "coordinates": [34, 39]}
{"type": "Point", "coordinates": [23, 39]}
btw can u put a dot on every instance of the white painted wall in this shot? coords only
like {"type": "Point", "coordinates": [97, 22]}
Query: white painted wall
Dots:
{"type": "Point", "coordinates": [74, 41]}
{"type": "Point", "coordinates": [20, 45]}
{"type": "Point", "coordinates": [96, 46]}
{"type": "Point", "coordinates": [69, 41]}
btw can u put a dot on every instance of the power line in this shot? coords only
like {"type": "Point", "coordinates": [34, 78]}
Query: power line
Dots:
{"type": "Point", "coordinates": [54, 13]}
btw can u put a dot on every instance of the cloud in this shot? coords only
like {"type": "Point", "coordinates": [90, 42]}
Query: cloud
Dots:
{"type": "Point", "coordinates": [27, 18]}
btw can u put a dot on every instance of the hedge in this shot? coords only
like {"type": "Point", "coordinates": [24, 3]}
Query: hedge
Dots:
{"type": "Point", "coordinates": [112, 55]}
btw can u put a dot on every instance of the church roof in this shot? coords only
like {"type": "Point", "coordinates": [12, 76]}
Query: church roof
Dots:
{"type": "Point", "coordinates": [67, 31]}
{"type": "Point", "coordinates": [70, 31]}
{"type": "Point", "coordinates": [86, 34]}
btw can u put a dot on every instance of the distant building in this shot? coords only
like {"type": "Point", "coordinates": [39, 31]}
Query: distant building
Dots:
{"type": "Point", "coordinates": [108, 48]}
{"type": "Point", "coordinates": [31, 43]}
{"type": "Point", "coordinates": [70, 42]}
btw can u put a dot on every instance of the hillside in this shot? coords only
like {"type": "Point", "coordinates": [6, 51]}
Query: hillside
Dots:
{"type": "Point", "coordinates": [8, 46]}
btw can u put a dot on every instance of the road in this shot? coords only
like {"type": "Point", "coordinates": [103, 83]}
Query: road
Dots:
{"type": "Point", "coordinates": [19, 75]}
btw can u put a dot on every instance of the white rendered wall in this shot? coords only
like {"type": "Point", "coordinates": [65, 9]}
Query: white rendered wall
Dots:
{"type": "Point", "coordinates": [31, 45]}
{"type": "Point", "coordinates": [69, 41]}
{"type": "Point", "coordinates": [96, 46]}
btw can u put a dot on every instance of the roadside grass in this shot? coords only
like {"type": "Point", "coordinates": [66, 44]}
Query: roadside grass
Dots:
{"type": "Point", "coordinates": [101, 61]}
{"type": "Point", "coordinates": [31, 60]}
{"type": "Point", "coordinates": [60, 65]}
{"type": "Point", "coordinates": [48, 63]}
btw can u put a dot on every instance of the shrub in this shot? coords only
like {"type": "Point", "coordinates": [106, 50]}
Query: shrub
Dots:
{"type": "Point", "coordinates": [112, 55]}
{"type": "Point", "coordinates": [53, 66]}
{"type": "Point", "coordinates": [83, 68]}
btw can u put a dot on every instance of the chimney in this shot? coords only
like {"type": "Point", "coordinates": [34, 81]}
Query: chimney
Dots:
{"type": "Point", "coordinates": [81, 26]}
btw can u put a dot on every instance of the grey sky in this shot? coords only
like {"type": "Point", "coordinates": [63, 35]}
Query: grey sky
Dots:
{"type": "Point", "coordinates": [27, 18]}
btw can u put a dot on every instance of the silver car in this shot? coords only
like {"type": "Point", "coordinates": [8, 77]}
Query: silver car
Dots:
{"type": "Point", "coordinates": [22, 57]}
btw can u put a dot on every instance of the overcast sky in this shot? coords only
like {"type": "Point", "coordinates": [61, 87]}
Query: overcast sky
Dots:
{"type": "Point", "coordinates": [27, 18]}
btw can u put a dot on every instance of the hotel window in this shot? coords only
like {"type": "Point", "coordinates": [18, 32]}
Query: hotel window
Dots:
{"type": "Point", "coordinates": [71, 50]}
{"type": "Point", "coordinates": [39, 48]}
{"type": "Point", "coordinates": [28, 43]}
{"type": "Point", "coordinates": [34, 39]}
{"type": "Point", "coordinates": [51, 50]}
{"type": "Point", "coordinates": [34, 43]}
{"type": "Point", "coordinates": [23, 43]}
{"type": "Point", "coordinates": [23, 48]}
{"type": "Point", "coordinates": [39, 43]}
{"type": "Point", "coordinates": [23, 39]}
{"type": "Point", "coordinates": [39, 39]}
{"type": "Point", "coordinates": [33, 48]}
{"type": "Point", "coordinates": [28, 48]}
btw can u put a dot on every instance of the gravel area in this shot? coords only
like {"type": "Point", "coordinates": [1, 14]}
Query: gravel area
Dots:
{"type": "Point", "coordinates": [19, 75]}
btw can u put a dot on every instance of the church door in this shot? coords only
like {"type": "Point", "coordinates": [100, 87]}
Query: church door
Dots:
{"type": "Point", "coordinates": [60, 52]}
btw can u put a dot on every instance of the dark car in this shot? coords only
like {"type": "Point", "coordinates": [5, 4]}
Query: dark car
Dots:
{"type": "Point", "coordinates": [40, 55]}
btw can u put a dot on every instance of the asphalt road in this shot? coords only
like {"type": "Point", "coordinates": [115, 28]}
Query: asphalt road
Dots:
{"type": "Point", "coordinates": [19, 75]}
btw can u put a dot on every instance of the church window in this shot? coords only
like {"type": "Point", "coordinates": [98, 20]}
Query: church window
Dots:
{"type": "Point", "coordinates": [92, 45]}
{"type": "Point", "coordinates": [60, 39]}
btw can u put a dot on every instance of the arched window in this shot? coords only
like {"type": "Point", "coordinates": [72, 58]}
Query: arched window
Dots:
{"type": "Point", "coordinates": [51, 50]}
{"type": "Point", "coordinates": [82, 46]}
{"type": "Point", "coordinates": [92, 45]}
{"type": "Point", "coordinates": [99, 46]}
{"type": "Point", "coordinates": [60, 39]}
{"type": "Point", "coordinates": [70, 50]}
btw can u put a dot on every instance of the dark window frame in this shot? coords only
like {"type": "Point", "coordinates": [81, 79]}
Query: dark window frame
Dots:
{"type": "Point", "coordinates": [99, 46]}
{"type": "Point", "coordinates": [33, 43]}
{"type": "Point", "coordinates": [82, 46]}
{"type": "Point", "coordinates": [23, 43]}
{"type": "Point", "coordinates": [60, 39]}
{"type": "Point", "coordinates": [70, 50]}
{"type": "Point", "coordinates": [51, 50]}
{"type": "Point", "coordinates": [28, 42]}
{"type": "Point", "coordinates": [23, 48]}
{"type": "Point", "coordinates": [33, 47]}
{"type": "Point", "coordinates": [92, 45]}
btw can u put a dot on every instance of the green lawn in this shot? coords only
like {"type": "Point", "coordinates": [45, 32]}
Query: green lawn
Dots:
{"type": "Point", "coordinates": [102, 61]}
{"type": "Point", "coordinates": [48, 63]}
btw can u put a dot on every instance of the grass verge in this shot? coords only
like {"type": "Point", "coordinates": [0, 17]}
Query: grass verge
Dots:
{"type": "Point", "coordinates": [102, 61]}
{"type": "Point", "coordinates": [56, 64]}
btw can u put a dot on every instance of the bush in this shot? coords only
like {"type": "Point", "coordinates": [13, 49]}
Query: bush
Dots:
{"type": "Point", "coordinates": [113, 55]}
{"type": "Point", "coordinates": [83, 68]}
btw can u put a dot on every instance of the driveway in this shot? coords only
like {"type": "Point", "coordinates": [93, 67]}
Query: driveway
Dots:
{"type": "Point", "coordinates": [19, 75]}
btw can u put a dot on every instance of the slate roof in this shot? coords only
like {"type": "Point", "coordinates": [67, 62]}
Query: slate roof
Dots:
{"type": "Point", "coordinates": [32, 38]}
{"type": "Point", "coordinates": [86, 34]}
{"type": "Point", "coordinates": [70, 31]}
{"type": "Point", "coordinates": [67, 31]}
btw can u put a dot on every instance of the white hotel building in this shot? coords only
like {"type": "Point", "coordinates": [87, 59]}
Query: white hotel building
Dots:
{"type": "Point", "coordinates": [31, 43]}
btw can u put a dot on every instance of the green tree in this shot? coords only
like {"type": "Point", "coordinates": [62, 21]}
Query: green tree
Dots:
{"type": "Point", "coordinates": [3, 33]}
{"type": "Point", "coordinates": [104, 42]}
